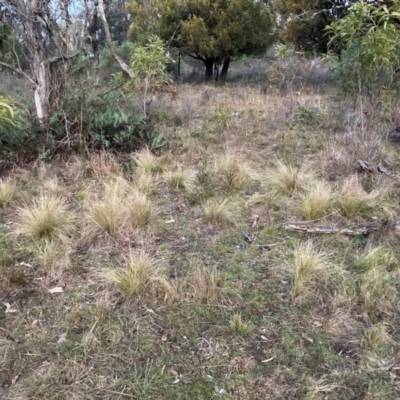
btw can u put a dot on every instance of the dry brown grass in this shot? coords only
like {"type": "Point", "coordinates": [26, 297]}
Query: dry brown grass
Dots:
{"type": "Point", "coordinates": [146, 161]}
{"type": "Point", "coordinates": [232, 173]}
{"type": "Point", "coordinates": [139, 274]}
{"type": "Point", "coordinates": [316, 201]}
{"type": "Point", "coordinates": [8, 190]}
{"type": "Point", "coordinates": [107, 215]}
{"type": "Point", "coordinates": [180, 179]}
{"type": "Point", "coordinates": [354, 201]}
{"type": "Point", "coordinates": [44, 218]}
{"type": "Point", "coordinates": [206, 285]}
{"type": "Point", "coordinates": [103, 165]}
{"type": "Point", "coordinates": [286, 179]}
{"type": "Point", "coordinates": [218, 210]}
{"type": "Point", "coordinates": [188, 295]}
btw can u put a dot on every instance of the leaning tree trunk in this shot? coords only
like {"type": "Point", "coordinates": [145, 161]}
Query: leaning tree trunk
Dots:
{"type": "Point", "coordinates": [114, 55]}
{"type": "Point", "coordinates": [209, 72]}
{"type": "Point", "coordinates": [224, 72]}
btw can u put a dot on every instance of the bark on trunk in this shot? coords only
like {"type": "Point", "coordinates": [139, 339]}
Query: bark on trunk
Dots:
{"type": "Point", "coordinates": [93, 29]}
{"type": "Point", "coordinates": [114, 55]}
{"type": "Point", "coordinates": [224, 71]}
{"type": "Point", "coordinates": [69, 34]}
{"type": "Point", "coordinates": [209, 73]}
{"type": "Point", "coordinates": [41, 89]}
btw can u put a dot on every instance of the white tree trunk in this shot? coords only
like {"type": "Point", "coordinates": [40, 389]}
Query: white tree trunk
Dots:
{"type": "Point", "coordinates": [41, 90]}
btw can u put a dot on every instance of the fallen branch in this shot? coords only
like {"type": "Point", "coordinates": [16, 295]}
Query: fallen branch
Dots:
{"type": "Point", "coordinates": [362, 229]}
{"type": "Point", "coordinates": [364, 166]}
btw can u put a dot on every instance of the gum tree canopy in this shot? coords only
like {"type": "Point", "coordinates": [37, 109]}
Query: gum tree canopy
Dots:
{"type": "Point", "coordinates": [212, 31]}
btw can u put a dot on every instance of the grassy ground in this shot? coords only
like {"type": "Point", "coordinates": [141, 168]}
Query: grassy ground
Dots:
{"type": "Point", "coordinates": [172, 276]}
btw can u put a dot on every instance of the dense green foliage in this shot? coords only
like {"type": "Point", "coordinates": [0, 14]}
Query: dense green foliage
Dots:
{"type": "Point", "coordinates": [303, 22]}
{"type": "Point", "coordinates": [212, 32]}
{"type": "Point", "coordinates": [370, 36]}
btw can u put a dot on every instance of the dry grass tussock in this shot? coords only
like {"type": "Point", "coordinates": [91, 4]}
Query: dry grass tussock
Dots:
{"type": "Point", "coordinates": [146, 161]}
{"type": "Point", "coordinates": [232, 173]}
{"type": "Point", "coordinates": [181, 179]}
{"type": "Point", "coordinates": [8, 191]}
{"type": "Point", "coordinates": [286, 179]}
{"type": "Point", "coordinates": [218, 210]}
{"type": "Point", "coordinates": [305, 267]}
{"type": "Point", "coordinates": [103, 165]}
{"type": "Point", "coordinates": [120, 206]}
{"type": "Point", "coordinates": [317, 201]}
{"type": "Point", "coordinates": [44, 218]}
{"type": "Point", "coordinates": [206, 285]}
{"type": "Point", "coordinates": [140, 274]}
{"type": "Point", "coordinates": [352, 200]}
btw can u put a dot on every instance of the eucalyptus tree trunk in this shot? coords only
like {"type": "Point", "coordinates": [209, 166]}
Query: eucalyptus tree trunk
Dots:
{"type": "Point", "coordinates": [114, 55]}
{"type": "Point", "coordinates": [46, 42]}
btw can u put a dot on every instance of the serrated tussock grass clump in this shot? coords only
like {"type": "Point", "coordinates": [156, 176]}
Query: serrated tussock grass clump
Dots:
{"type": "Point", "coordinates": [374, 287]}
{"type": "Point", "coordinates": [352, 200]}
{"type": "Point", "coordinates": [206, 285]}
{"type": "Point", "coordinates": [148, 162]}
{"type": "Point", "coordinates": [180, 179]}
{"type": "Point", "coordinates": [144, 182]}
{"type": "Point", "coordinates": [49, 253]}
{"type": "Point", "coordinates": [54, 188]}
{"type": "Point", "coordinates": [45, 218]}
{"type": "Point", "coordinates": [232, 173]}
{"type": "Point", "coordinates": [238, 327]}
{"type": "Point", "coordinates": [285, 179]}
{"type": "Point", "coordinates": [377, 257]}
{"type": "Point", "coordinates": [8, 190]}
{"type": "Point", "coordinates": [108, 215]}
{"type": "Point", "coordinates": [139, 274]}
{"type": "Point", "coordinates": [140, 209]}
{"type": "Point", "coordinates": [376, 336]}
{"type": "Point", "coordinates": [222, 116]}
{"type": "Point", "coordinates": [306, 264]}
{"type": "Point", "coordinates": [104, 165]}
{"type": "Point", "coordinates": [121, 206]}
{"type": "Point", "coordinates": [217, 210]}
{"type": "Point", "coordinates": [316, 201]}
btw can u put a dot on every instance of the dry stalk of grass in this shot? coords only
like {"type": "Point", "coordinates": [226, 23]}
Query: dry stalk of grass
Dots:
{"type": "Point", "coordinates": [140, 274]}
{"type": "Point", "coordinates": [8, 190]}
{"type": "Point", "coordinates": [46, 218]}
{"type": "Point", "coordinates": [49, 254]}
{"type": "Point", "coordinates": [286, 179]}
{"type": "Point", "coordinates": [316, 201]}
{"type": "Point", "coordinates": [144, 182]}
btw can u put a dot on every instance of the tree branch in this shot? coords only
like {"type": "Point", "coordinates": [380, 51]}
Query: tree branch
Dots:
{"type": "Point", "coordinates": [114, 55]}
{"type": "Point", "coordinates": [19, 72]}
{"type": "Point", "coordinates": [63, 56]}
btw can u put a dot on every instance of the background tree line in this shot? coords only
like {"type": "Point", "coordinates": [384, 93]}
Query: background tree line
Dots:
{"type": "Point", "coordinates": [62, 47]}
